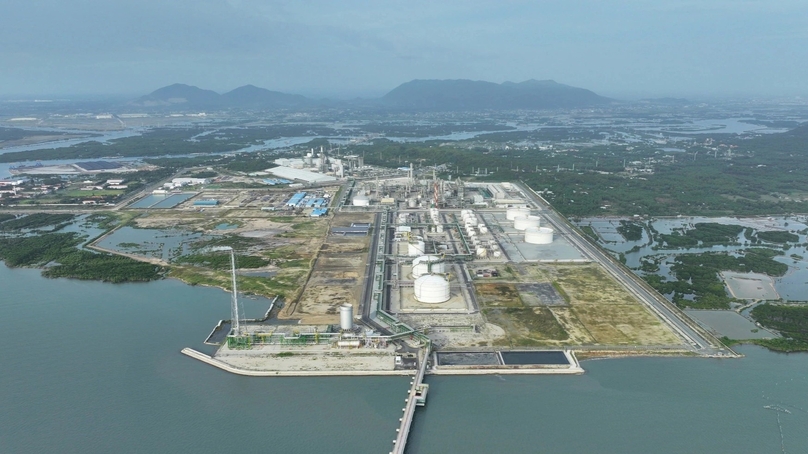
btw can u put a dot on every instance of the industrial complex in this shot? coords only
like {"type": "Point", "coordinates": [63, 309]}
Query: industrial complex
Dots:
{"type": "Point", "coordinates": [401, 272]}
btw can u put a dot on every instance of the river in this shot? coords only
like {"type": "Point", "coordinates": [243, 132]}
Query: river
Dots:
{"type": "Point", "coordinates": [90, 367]}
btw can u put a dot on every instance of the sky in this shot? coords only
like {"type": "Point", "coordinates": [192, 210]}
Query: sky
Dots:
{"type": "Point", "coordinates": [347, 48]}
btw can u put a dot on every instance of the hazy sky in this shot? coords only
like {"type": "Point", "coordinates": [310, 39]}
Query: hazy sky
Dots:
{"type": "Point", "coordinates": [352, 47]}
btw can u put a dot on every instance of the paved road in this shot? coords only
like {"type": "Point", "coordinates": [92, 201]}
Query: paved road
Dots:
{"type": "Point", "coordinates": [696, 339]}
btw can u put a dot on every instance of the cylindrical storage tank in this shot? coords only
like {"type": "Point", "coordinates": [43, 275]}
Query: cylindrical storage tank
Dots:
{"type": "Point", "coordinates": [432, 289]}
{"type": "Point", "coordinates": [494, 246]}
{"type": "Point", "coordinates": [346, 317]}
{"type": "Point", "coordinates": [540, 235]}
{"type": "Point", "coordinates": [416, 248]}
{"type": "Point", "coordinates": [361, 201]}
{"type": "Point", "coordinates": [523, 222]}
{"type": "Point", "coordinates": [411, 203]}
{"type": "Point", "coordinates": [440, 228]}
{"type": "Point", "coordinates": [427, 264]}
{"type": "Point", "coordinates": [482, 252]}
{"type": "Point", "coordinates": [349, 343]}
{"type": "Point", "coordinates": [497, 254]}
{"type": "Point", "coordinates": [483, 230]}
{"type": "Point", "coordinates": [513, 213]}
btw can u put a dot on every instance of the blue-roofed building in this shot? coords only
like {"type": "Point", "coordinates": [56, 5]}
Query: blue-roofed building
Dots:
{"type": "Point", "coordinates": [296, 199]}
{"type": "Point", "coordinates": [315, 203]}
{"type": "Point", "coordinates": [274, 181]}
{"type": "Point", "coordinates": [317, 212]}
{"type": "Point", "coordinates": [206, 203]}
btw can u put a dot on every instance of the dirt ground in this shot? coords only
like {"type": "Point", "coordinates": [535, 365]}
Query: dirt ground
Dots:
{"type": "Point", "coordinates": [337, 276]}
{"type": "Point", "coordinates": [590, 308]}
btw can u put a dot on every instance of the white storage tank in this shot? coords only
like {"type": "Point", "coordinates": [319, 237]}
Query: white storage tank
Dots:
{"type": "Point", "coordinates": [482, 252]}
{"type": "Point", "coordinates": [523, 222]}
{"type": "Point", "coordinates": [497, 254]}
{"type": "Point", "coordinates": [512, 213]}
{"type": "Point", "coordinates": [346, 317]}
{"type": "Point", "coordinates": [440, 228]}
{"type": "Point", "coordinates": [411, 203]}
{"type": "Point", "coordinates": [539, 235]}
{"type": "Point", "coordinates": [361, 200]}
{"type": "Point", "coordinates": [416, 248]}
{"type": "Point", "coordinates": [432, 289]}
{"type": "Point", "coordinates": [427, 264]}
{"type": "Point", "coordinates": [483, 230]}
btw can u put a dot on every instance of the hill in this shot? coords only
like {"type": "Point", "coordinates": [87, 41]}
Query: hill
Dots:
{"type": "Point", "coordinates": [179, 95]}
{"type": "Point", "coordinates": [256, 97]}
{"type": "Point", "coordinates": [246, 97]}
{"type": "Point", "coordinates": [479, 95]}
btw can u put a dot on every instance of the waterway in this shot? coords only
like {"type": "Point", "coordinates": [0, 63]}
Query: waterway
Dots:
{"type": "Point", "coordinates": [95, 368]}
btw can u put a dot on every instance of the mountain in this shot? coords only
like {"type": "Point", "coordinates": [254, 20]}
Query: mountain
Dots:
{"type": "Point", "coordinates": [179, 95]}
{"type": "Point", "coordinates": [478, 95]}
{"type": "Point", "coordinates": [413, 95]}
{"type": "Point", "coordinates": [246, 97]}
{"type": "Point", "coordinates": [256, 97]}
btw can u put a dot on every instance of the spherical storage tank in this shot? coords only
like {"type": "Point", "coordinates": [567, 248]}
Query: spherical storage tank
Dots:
{"type": "Point", "coordinates": [540, 235]}
{"type": "Point", "coordinates": [416, 248]}
{"type": "Point", "coordinates": [523, 222]}
{"type": "Point", "coordinates": [513, 213]}
{"type": "Point", "coordinates": [426, 264]}
{"type": "Point", "coordinates": [432, 289]}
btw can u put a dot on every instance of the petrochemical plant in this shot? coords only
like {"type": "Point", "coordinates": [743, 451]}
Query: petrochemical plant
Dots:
{"type": "Point", "coordinates": [429, 240]}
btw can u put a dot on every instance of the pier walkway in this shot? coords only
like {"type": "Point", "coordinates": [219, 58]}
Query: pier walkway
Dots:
{"type": "Point", "coordinates": [412, 401]}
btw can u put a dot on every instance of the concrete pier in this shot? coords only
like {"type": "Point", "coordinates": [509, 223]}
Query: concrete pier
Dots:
{"type": "Point", "coordinates": [287, 373]}
{"type": "Point", "coordinates": [409, 411]}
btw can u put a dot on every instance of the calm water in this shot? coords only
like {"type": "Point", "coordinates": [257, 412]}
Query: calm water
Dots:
{"type": "Point", "coordinates": [95, 368]}
{"type": "Point", "coordinates": [793, 286]}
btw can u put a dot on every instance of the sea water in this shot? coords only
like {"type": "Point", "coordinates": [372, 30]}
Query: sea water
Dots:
{"type": "Point", "coordinates": [89, 367]}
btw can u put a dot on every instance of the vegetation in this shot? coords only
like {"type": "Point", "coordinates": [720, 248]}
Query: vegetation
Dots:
{"type": "Point", "coordinates": [790, 321]}
{"type": "Point", "coordinates": [704, 234]}
{"type": "Point", "coordinates": [285, 284]}
{"type": "Point", "coordinates": [590, 232]}
{"type": "Point", "coordinates": [222, 261]}
{"type": "Point", "coordinates": [5, 217]}
{"type": "Point", "coordinates": [35, 221]}
{"type": "Point", "coordinates": [762, 176]}
{"type": "Point", "coordinates": [58, 251]}
{"type": "Point", "coordinates": [697, 276]}
{"type": "Point", "coordinates": [778, 237]}
{"type": "Point", "coordinates": [631, 231]}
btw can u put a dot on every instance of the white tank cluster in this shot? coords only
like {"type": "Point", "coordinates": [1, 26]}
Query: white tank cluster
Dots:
{"type": "Point", "coordinates": [539, 235]}
{"type": "Point", "coordinates": [427, 264]}
{"type": "Point", "coordinates": [403, 218]}
{"type": "Point", "coordinates": [346, 317]}
{"type": "Point", "coordinates": [470, 223]}
{"type": "Point", "coordinates": [361, 200]}
{"type": "Point", "coordinates": [514, 212]}
{"type": "Point", "coordinates": [432, 289]}
{"type": "Point", "coordinates": [416, 248]}
{"type": "Point", "coordinates": [524, 222]}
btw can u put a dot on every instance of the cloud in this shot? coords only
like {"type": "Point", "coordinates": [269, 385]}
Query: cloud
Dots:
{"type": "Point", "coordinates": [670, 46]}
